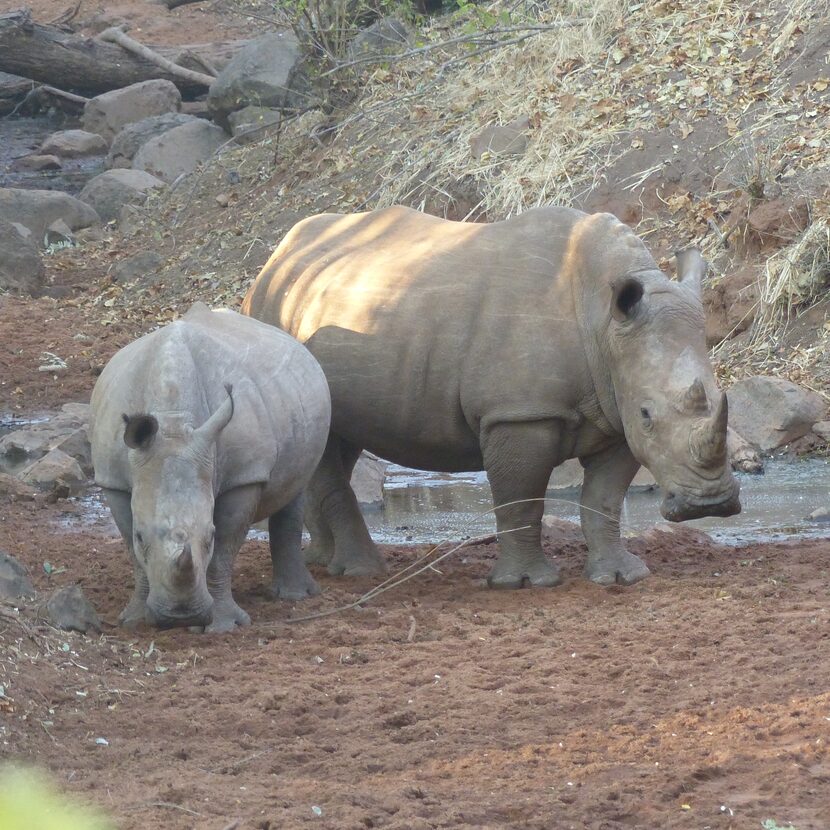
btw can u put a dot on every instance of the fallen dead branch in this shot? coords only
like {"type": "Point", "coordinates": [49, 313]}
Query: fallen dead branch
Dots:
{"type": "Point", "coordinates": [115, 34]}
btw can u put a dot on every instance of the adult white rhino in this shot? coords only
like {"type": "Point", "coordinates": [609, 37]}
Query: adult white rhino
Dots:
{"type": "Point", "coordinates": [188, 462]}
{"type": "Point", "coordinates": [507, 347]}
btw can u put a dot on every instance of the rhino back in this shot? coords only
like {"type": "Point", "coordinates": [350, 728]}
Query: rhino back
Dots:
{"type": "Point", "coordinates": [438, 325]}
{"type": "Point", "coordinates": [281, 401]}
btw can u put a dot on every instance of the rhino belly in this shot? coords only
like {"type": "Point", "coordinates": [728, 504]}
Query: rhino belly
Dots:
{"type": "Point", "coordinates": [391, 399]}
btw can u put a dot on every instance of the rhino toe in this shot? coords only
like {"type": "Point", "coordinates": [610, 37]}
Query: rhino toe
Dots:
{"type": "Point", "coordinates": [539, 574]}
{"type": "Point", "coordinates": [621, 569]}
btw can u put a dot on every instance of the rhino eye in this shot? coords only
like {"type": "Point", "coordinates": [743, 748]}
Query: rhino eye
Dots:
{"type": "Point", "coordinates": [646, 417]}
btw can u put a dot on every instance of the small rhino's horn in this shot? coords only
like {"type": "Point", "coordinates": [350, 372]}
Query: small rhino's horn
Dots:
{"type": "Point", "coordinates": [712, 435]}
{"type": "Point", "coordinates": [209, 431]}
{"type": "Point", "coordinates": [184, 561]}
{"type": "Point", "coordinates": [695, 401]}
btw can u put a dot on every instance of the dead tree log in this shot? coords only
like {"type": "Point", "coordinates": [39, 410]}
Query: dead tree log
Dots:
{"type": "Point", "coordinates": [78, 64]}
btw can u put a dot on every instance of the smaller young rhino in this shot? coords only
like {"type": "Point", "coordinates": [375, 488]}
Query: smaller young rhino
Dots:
{"type": "Point", "coordinates": [198, 430]}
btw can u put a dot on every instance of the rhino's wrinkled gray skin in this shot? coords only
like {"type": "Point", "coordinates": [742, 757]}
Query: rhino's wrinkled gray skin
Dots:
{"type": "Point", "coordinates": [188, 462]}
{"type": "Point", "coordinates": [507, 347]}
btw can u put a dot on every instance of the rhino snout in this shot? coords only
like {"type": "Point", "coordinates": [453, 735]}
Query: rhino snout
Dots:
{"type": "Point", "coordinates": [178, 617]}
{"type": "Point", "coordinates": [681, 507]}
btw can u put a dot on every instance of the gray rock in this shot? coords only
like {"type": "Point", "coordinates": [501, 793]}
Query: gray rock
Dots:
{"type": "Point", "coordinates": [66, 432]}
{"type": "Point", "coordinates": [71, 144]}
{"type": "Point", "coordinates": [110, 191]}
{"type": "Point", "coordinates": [70, 610]}
{"type": "Point", "coordinates": [384, 36]}
{"type": "Point", "coordinates": [742, 455]}
{"type": "Point", "coordinates": [126, 144]}
{"type": "Point", "coordinates": [21, 268]}
{"type": "Point", "coordinates": [367, 480]}
{"type": "Point", "coordinates": [55, 471]}
{"type": "Point", "coordinates": [14, 578]}
{"type": "Point", "coordinates": [37, 209]}
{"type": "Point", "coordinates": [107, 114]}
{"type": "Point", "coordinates": [509, 140]}
{"type": "Point", "coordinates": [37, 163]}
{"type": "Point", "coordinates": [13, 489]}
{"type": "Point", "coordinates": [822, 429]}
{"type": "Point", "coordinates": [266, 72]}
{"type": "Point", "coordinates": [770, 412]}
{"type": "Point", "coordinates": [253, 123]}
{"type": "Point", "coordinates": [137, 267]}
{"type": "Point", "coordinates": [180, 150]}
{"type": "Point", "coordinates": [568, 476]}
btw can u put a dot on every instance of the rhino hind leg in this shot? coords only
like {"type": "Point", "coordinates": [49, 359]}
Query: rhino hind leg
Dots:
{"type": "Point", "coordinates": [519, 458]}
{"type": "Point", "coordinates": [345, 543]}
{"type": "Point", "coordinates": [285, 531]}
{"type": "Point", "coordinates": [607, 477]}
{"type": "Point", "coordinates": [232, 515]}
{"type": "Point", "coordinates": [119, 504]}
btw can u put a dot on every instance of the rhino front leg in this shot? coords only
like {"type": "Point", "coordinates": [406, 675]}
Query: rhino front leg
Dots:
{"type": "Point", "coordinates": [354, 554]}
{"type": "Point", "coordinates": [285, 532]}
{"type": "Point", "coordinates": [119, 504]}
{"type": "Point", "coordinates": [607, 476]}
{"type": "Point", "coordinates": [519, 458]}
{"type": "Point", "coordinates": [232, 516]}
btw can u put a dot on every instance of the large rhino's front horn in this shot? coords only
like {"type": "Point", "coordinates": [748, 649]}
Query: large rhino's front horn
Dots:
{"type": "Point", "coordinates": [708, 439]}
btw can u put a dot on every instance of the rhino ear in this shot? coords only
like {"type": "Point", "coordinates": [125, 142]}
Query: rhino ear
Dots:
{"type": "Point", "coordinates": [691, 269]}
{"type": "Point", "coordinates": [139, 431]}
{"type": "Point", "coordinates": [627, 294]}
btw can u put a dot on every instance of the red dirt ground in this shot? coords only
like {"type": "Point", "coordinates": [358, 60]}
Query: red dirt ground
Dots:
{"type": "Point", "coordinates": [696, 699]}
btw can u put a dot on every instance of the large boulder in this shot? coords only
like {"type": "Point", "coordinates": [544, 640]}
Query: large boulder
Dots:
{"type": "Point", "coordinates": [107, 114]}
{"type": "Point", "coordinates": [55, 471]}
{"type": "Point", "coordinates": [179, 150]}
{"type": "Point", "coordinates": [384, 36]}
{"type": "Point", "coordinates": [38, 209]}
{"type": "Point", "coordinates": [110, 191]}
{"type": "Point", "coordinates": [66, 431]}
{"type": "Point", "coordinates": [125, 145]}
{"type": "Point", "coordinates": [74, 144]}
{"type": "Point", "coordinates": [266, 72]}
{"type": "Point", "coordinates": [770, 412]}
{"type": "Point", "coordinates": [21, 268]}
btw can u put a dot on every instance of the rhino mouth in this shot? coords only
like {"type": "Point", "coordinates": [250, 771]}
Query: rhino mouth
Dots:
{"type": "Point", "coordinates": [679, 507]}
{"type": "Point", "coordinates": [177, 618]}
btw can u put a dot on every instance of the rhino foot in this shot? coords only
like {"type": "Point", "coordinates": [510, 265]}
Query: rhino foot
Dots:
{"type": "Point", "coordinates": [622, 568]}
{"type": "Point", "coordinates": [362, 563]}
{"type": "Point", "coordinates": [227, 615]}
{"type": "Point", "coordinates": [298, 588]}
{"type": "Point", "coordinates": [133, 613]}
{"type": "Point", "coordinates": [538, 574]}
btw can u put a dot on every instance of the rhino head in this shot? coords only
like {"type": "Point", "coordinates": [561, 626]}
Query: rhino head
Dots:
{"type": "Point", "coordinates": [173, 470]}
{"type": "Point", "coordinates": [673, 415]}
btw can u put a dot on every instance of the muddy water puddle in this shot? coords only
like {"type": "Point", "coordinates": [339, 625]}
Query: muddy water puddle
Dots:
{"type": "Point", "coordinates": [21, 137]}
{"type": "Point", "coordinates": [421, 507]}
